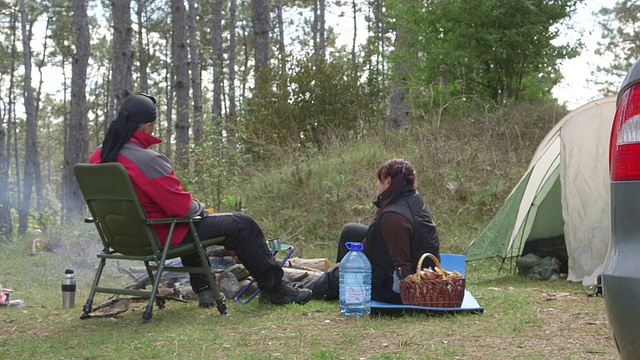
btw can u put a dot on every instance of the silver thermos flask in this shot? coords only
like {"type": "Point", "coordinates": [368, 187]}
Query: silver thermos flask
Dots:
{"type": "Point", "coordinates": [68, 289]}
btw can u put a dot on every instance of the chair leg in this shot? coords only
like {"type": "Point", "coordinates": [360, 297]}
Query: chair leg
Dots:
{"type": "Point", "coordinates": [152, 279]}
{"type": "Point", "coordinates": [86, 309]}
{"type": "Point", "coordinates": [148, 313]}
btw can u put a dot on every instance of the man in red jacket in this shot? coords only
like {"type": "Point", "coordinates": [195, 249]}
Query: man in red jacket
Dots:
{"type": "Point", "coordinates": [127, 141]}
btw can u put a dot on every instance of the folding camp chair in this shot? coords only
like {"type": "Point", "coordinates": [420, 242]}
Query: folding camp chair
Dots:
{"type": "Point", "coordinates": [127, 234]}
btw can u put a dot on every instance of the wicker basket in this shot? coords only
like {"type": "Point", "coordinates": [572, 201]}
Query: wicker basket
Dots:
{"type": "Point", "coordinates": [439, 293]}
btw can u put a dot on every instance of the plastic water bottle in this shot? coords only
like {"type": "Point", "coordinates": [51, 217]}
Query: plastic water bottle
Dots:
{"type": "Point", "coordinates": [36, 246]}
{"type": "Point", "coordinates": [355, 281]}
{"type": "Point", "coordinates": [68, 289]}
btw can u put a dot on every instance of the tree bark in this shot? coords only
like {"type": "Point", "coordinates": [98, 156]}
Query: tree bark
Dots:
{"type": "Point", "coordinates": [354, 63]}
{"type": "Point", "coordinates": [196, 85]}
{"type": "Point", "coordinates": [320, 264]}
{"type": "Point", "coordinates": [231, 122]}
{"type": "Point", "coordinates": [314, 28]}
{"type": "Point", "coordinates": [283, 82]}
{"type": "Point", "coordinates": [6, 226]}
{"type": "Point", "coordinates": [246, 52]}
{"type": "Point", "coordinates": [320, 44]}
{"type": "Point", "coordinates": [76, 145]}
{"type": "Point", "coordinates": [41, 207]}
{"type": "Point", "coordinates": [31, 139]}
{"type": "Point", "coordinates": [398, 108]}
{"type": "Point", "coordinates": [143, 56]}
{"type": "Point", "coordinates": [216, 106]}
{"type": "Point", "coordinates": [169, 74]}
{"type": "Point", "coordinates": [261, 26]}
{"type": "Point", "coordinates": [122, 78]}
{"type": "Point", "coordinates": [181, 80]}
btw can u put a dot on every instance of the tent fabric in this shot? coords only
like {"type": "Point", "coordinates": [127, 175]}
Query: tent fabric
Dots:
{"type": "Point", "coordinates": [564, 192]}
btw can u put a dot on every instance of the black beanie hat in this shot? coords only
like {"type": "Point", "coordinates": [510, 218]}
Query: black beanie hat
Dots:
{"type": "Point", "coordinates": [135, 110]}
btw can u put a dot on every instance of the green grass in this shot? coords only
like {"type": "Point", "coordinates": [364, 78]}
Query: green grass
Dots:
{"type": "Point", "coordinates": [523, 319]}
{"type": "Point", "coordinates": [304, 196]}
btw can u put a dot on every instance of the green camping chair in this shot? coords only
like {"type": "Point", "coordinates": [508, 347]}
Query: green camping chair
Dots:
{"type": "Point", "coordinates": [127, 234]}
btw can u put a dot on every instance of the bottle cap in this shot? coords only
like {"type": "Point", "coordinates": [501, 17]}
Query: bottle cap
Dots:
{"type": "Point", "coordinates": [354, 246]}
{"type": "Point", "coordinates": [68, 271]}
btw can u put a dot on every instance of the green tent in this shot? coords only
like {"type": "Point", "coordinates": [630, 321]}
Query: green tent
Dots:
{"type": "Point", "coordinates": [563, 198]}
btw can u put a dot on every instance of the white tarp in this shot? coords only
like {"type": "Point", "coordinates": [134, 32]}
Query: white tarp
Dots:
{"type": "Point", "coordinates": [586, 197]}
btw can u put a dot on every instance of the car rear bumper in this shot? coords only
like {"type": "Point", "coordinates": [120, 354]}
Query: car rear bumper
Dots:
{"type": "Point", "coordinates": [621, 273]}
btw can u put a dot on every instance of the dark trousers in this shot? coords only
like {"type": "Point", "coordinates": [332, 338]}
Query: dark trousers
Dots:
{"type": "Point", "coordinates": [327, 286]}
{"type": "Point", "coordinates": [245, 237]}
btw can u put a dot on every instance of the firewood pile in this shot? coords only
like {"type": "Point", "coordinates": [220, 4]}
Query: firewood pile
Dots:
{"type": "Point", "coordinates": [231, 277]}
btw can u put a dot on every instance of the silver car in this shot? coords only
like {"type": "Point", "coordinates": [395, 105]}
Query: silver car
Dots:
{"type": "Point", "coordinates": [621, 274]}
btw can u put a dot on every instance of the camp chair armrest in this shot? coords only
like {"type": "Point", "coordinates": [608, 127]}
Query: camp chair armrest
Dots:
{"type": "Point", "coordinates": [171, 220]}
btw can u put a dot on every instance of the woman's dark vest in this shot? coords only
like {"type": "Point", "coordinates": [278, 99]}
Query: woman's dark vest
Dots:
{"type": "Point", "coordinates": [424, 239]}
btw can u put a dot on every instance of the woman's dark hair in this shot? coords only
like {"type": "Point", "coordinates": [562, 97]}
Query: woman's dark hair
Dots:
{"type": "Point", "coordinates": [135, 110]}
{"type": "Point", "coordinates": [402, 174]}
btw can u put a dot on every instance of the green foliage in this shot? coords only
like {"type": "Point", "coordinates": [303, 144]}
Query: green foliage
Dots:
{"type": "Point", "coordinates": [496, 50]}
{"type": "Point", "coordinates": [620, 35]}
{"type": "Point", "coordinates": [213, 164]}
{"type": "Point", "coordinates": [322, 98]}
{"type": "Point", "coordinates": [467, 164]}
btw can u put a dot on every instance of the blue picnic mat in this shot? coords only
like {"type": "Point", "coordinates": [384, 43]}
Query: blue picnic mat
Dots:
{"type": "Point", "coordinates": [447, 261]}
{"type": "Point", "coordinates": [469, 304]}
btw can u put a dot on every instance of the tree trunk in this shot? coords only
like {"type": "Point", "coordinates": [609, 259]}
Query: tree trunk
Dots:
{"type": "Point", "coordinates": [143, 57]}
{"type": "Point", "coordinates": [195, 73]}
{"type": "Point", "coordinates": [354, 42]}
{"type": "Point", "coordinates": [41, 207]}
{"type": "Point", "coordinates": [321, 44]}
{"type": "Point", "coordinates": [283, 83]}
{"type": "Point", "coordinates": [169, 91]}
{"type": "Point", "coordinates": [398, 108]}
{"type": "Point", "coordinates": [246, 73]}
{"type": "Point", "coordinates": [217, 67]}
{"type": "Point", "coordinates": [31, 157]}
{"type": "Point", "coordinates": [76, 146]}
{"type": "Point", "coordinates": [314, 28]}
{"type": "Point", "coordinates": [122, 83]}
{"type": "Point", "coordinates": [65, 131]}
{"type": "Point", "coordinates": [5, 206]}
{"type": "Point", "coordinates": [231, 122]}
{"type": "Point", "coordinates": [377, 28]}
{"type": "Point", "coordinates": [261, 26]}
{"type": "Point", "coordinates": [181, 82]}
{"type": "Point", "coordinates": [6, 226]}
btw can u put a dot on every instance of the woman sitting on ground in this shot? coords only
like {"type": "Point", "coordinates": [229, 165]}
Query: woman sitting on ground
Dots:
{"type": "Point", "coordinates": [400, 233]}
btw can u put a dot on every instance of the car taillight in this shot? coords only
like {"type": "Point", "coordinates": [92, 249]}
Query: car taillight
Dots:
{"type": "Point", "coordinates": [624, 148]}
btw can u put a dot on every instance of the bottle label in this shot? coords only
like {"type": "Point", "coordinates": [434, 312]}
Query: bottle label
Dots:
{"type": "Point", "coordinates": [354, 289]}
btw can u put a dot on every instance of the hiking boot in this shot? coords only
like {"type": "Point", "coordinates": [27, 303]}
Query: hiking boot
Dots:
{"type": "Point", "coordinates": [285, 294]}
{"type": "Point", "coordinates": [206, 298]}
